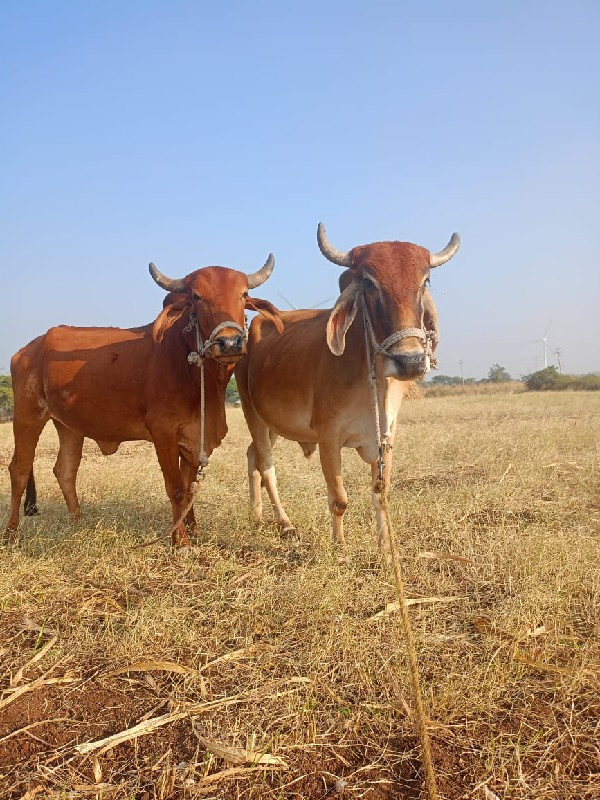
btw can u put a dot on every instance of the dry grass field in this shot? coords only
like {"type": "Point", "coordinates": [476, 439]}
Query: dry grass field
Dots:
{"type": "Point", "coordinates": [263, 669]}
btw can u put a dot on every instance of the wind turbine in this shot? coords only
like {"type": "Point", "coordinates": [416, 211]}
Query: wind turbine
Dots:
{"type": "Point", "coordinates": [291, 305]}
{"type": "Point", "coordinates": [544, 341]}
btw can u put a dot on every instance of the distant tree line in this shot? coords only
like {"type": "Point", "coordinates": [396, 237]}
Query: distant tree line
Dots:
{"type": "Point", "coordinates": [496, 374]}
{"type": "Point", "coordinates": [548, 379]}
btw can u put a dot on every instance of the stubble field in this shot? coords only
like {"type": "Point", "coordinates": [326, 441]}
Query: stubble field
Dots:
{"type": "Point", "coordinates": [263, 669]}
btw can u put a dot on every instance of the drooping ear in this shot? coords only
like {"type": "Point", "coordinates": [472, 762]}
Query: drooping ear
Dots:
{"type": "Point", "coordinates": [173, 297]}
{"type": "Point", "coordinates": [345, 279]}
{"type": "Point", "coordinates": [266, 310]}
{"type": "Point", "coordinates": [341, 317]}
{"type": "Point", "coordinates": [430, 317]}
{"type": "Point", "coordinates": [167, 317]}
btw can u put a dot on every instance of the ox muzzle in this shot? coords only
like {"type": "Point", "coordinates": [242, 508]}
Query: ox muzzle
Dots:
{"type": "Point", "coordinates": [408, 364]}
{"type": "Point", "coordinates": [226, 343]}
{"type": "Point", "coordinates": [228, 349]}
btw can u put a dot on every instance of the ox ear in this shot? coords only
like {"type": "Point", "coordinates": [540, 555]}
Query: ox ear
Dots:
{"type": "Point", "coordinates": [167, 317]}
{"type": "Point", "coordinates": [345, 279]}
{"type": "Point", "coordinates": [430, 317]}
{"type": "Point", "coordinates": [173, 298]}
{"type": "Point", "coordinates": [266, 310]}
{"type": "Point", "coordinates": [341, 317]}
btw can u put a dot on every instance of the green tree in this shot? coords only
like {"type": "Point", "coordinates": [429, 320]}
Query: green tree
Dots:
{"type": "Point", "coordinates": [231, 393]}
{"type": "Point", "coordinates": [497, 374]}
{"type": "Point", "coordinates": [6, 397]}
{"type": "Point", "coordinates": [544, 380]}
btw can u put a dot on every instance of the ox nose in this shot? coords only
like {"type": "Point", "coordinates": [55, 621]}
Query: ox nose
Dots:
{"type": "Point", "coordinates": [230, 345]}
{"type": "Point", "coordinates": [412, 364]}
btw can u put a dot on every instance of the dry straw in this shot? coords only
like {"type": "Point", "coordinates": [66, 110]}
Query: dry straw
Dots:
{"type": "Point", "coordinates": [421, 722]}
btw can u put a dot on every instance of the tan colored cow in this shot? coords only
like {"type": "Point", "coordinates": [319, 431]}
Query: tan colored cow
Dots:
{"type": "Point", "coordinates": [312, 385]}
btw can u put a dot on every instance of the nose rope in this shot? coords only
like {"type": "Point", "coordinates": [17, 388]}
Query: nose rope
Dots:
{"type": "Point", "coordinates": [197, 357]}
{"type": "Point", "coordinates": [373, 348]}
{"type": "Point", "coordinates": [429, 338]}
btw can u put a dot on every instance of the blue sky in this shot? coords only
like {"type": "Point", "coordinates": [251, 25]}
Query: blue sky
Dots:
{"type": "Point", "coordinates": [193, 133]}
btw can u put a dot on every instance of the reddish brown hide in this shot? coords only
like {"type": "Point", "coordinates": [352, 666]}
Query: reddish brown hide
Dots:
{"type": "Point", "coordinates": [311, 384]}
{"type": "Point", "coordinates": [114, 385]}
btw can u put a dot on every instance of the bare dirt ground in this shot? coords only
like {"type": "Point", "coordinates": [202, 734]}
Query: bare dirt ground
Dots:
{"type": "Point", "coordinates": [259, 668]}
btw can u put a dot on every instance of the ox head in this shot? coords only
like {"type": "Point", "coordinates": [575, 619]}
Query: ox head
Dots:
{"type": "Point", "coordinates": [219, 297]}
{"type": "Point", "coordinates": [387, 283]}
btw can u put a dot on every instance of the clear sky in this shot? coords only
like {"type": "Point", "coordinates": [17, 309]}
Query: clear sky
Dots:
{"type": "Point", "coordinates": [196, 133]}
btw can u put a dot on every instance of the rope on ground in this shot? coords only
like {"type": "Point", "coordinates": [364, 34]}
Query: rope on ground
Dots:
{"type": "Point", "coordinates": [193, 489]}
{"type": "Point", "coordinates": [421, 724]}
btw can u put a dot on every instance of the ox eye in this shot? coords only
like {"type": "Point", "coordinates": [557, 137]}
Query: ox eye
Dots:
{"type": "Point", "coordinates": [197, 296]}
{"type": "Point", "coordinates": [245, 295]}
{"type": "Point", "coordinates": [368, 284]}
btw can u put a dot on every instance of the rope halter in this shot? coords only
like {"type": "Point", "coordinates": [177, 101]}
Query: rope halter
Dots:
{"type": "Point", "coordinates": [197, 357]}
{"type": "Point", "coordinates": [429, 339]}
{"type": "Point", "coordinates": [203, 348]}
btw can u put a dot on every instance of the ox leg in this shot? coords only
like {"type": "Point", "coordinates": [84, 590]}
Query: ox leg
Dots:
{"type": "Point", "coordinates": [263, 440]}
{"type": "Point", "coordinates": [255, 484]}
{"type": "Point", "coordinates": [26, 436]}
{"type": "Point", "coordinates": [67, 464]}
{"type": "Point", "coordinates": [189, 472]}
{"type": "Point", "coordinates": [167, 453]}
{"type": "Point", "coordinates": [331, 463]}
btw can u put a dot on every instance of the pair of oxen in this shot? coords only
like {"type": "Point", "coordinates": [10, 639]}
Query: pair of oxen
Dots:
{"type": "Point", "coordinates": [332, 377]}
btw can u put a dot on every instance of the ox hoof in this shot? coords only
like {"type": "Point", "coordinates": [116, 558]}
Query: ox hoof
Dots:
{"type": "Point", "coordinates": [386, 557]}
{"type": "Point", "coordinates": [187, 551]}
{"type": "Point", "coordinates": [7, 539]}
{"type": "Point", "coordinates": [289, 533]}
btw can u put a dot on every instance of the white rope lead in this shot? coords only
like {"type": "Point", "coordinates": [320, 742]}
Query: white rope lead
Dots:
{"type": "Point", "coordinates": [197, 357]}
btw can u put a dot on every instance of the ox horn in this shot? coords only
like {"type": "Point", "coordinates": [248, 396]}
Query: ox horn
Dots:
{"type": "Point", "coordinates": [256, 278]}
{"type": "Point", "coordinates": [435, 259]}
{"type": "Point", "coordinates": [170, 284]}
{"type": "Point", "coordinates": [330, 253]}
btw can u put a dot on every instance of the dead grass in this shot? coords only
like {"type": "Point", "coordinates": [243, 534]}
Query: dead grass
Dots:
{"type": "Point", "coordinates": [268, 665]}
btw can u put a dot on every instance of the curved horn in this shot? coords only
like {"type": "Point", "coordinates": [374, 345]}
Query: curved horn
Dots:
{"type": "Point", "coordinates": [256, 278]}
{"type": "Point", "coordinates": [435, 259]}
{"type": "Point", "coordinates": [330, 253]}
{"type": "Point", "coordinates": [169, 284]}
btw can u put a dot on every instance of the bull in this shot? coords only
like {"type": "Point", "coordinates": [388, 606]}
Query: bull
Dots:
{"type": "Point", "coordinates": [336, 377]}
{"type": "Point", "coordinates": [164, 382]}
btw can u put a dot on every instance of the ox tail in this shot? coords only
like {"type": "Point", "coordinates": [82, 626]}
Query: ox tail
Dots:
{"type": "Point", "coordinates": [30, 505]}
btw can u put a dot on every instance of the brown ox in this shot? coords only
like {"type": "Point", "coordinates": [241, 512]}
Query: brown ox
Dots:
{"type": "Point", "coordinates": [312, 383]}
{"type": "Point", "coordinates": [115, 385]}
